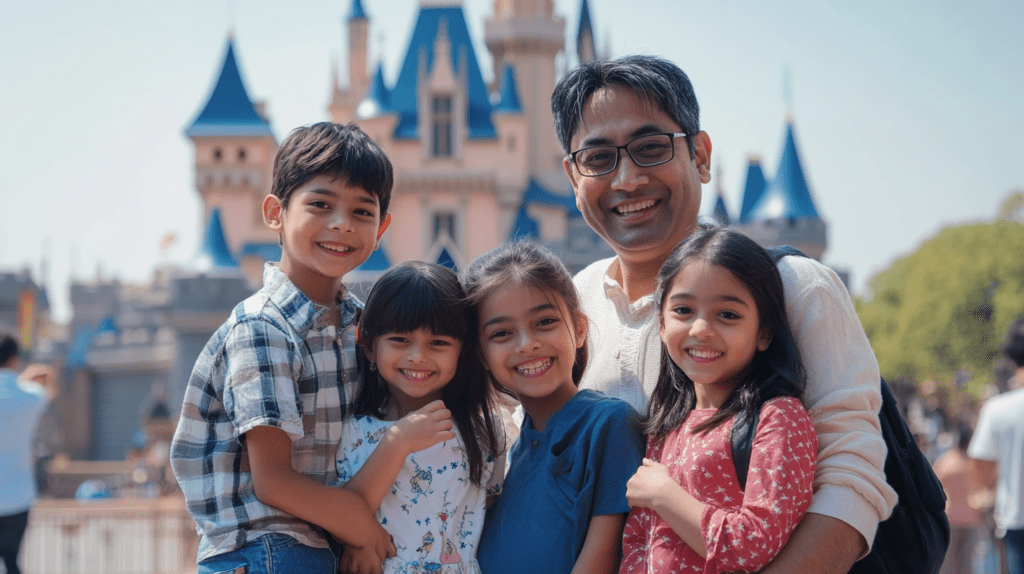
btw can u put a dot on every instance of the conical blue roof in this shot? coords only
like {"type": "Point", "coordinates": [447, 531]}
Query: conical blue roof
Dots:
{"type": "Point", "coordinates": [403, 95]}
{"type": "Point", "coordinates": [356, 12]}
{"type": "Point", "coordinates": [444, 259]}
{"type": "Point", "coordinates": [229, 111]}
{"type": "Point", "coordinates": [377, 261]}
{"type": "Point", "coordinates": [214, 251]}
{"type": "Point", "coordinates": [721, 213]}
{"type": "Point", "coordinates": [585, 46]}
{"type": "Point", "coordinates": [787, 196]}
{"type": "Point", "coordinates": [378, 97]}
{"type": "Point", "coordinates": [509, 102]}
{"type": "Point", "coordinates": [524, 227]}
{"type": "Point", "coordinates": [753, 189]}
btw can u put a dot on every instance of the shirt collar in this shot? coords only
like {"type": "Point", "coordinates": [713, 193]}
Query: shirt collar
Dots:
{"type": "Point", "coordinates": [302, 311]}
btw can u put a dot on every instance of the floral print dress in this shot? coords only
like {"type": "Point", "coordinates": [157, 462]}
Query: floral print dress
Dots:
{"type": "Point", "coordinates": [742, 529]}
{"type": "Point", "coordinates": [434, 513]}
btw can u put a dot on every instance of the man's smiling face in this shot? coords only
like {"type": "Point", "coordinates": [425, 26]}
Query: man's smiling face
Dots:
{"type": "Point", "coordinates": [642, 212]}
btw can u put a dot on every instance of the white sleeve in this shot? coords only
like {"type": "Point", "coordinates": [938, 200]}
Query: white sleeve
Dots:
{"type": "Point", "coordinates": [983, 443]}
{"type": "Point", "coordinates": [843, 397]}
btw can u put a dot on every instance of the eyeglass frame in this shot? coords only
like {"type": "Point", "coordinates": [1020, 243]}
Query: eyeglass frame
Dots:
{"type": "Point", "coordinates": [625, 147]}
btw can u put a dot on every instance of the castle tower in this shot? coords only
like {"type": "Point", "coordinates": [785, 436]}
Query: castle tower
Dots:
{"type": "Point", "coordinates": [235, 149]}
{"type": "Point", "coordinates": [782, 211]}
{"type": "Point", "coordinates": [344, 100]}
{"type": "Point", "coordinates": [586, 46]}
{"type": "Point", "coordinates": [528, 35]}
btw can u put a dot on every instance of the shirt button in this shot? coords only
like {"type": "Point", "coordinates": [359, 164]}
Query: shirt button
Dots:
{"type": "Point", "coordinates": [535, 444]}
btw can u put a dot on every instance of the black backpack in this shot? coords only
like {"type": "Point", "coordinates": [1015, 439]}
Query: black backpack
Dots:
{"type": "Point", "coordinates": [914, 539]}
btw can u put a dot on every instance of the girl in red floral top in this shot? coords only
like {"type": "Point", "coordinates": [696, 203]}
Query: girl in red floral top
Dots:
{"type": "Point", "coordinates": [727, 353]}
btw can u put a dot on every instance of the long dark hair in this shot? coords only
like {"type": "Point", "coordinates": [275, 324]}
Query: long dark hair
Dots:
{"type": "Point", "coordinates": [775, 372]}
{"type": "Point", "coordinates": [414, 295]}
{"type": "Point", "coordinates": [530, 264]}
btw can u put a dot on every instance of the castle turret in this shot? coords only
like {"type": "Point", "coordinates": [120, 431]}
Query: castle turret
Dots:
{"type": "Point", "coordinates": [345, 99]}
{"type": "Point", "coordinates": [784, 213]}
{"type": "Point", "coordinates": [234, 149]}
{"type": "Point", "coordinates": [586, 47]}
{"type": "Point", "coordinates": [527, 35]}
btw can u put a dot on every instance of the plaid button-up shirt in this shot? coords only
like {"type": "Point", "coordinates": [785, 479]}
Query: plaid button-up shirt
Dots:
{"type": "Point", "coordinates": [277, 361]}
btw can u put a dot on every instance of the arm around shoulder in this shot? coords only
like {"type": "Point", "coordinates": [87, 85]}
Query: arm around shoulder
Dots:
{"type": "Point", "coordinates": [843, 397]}
{"type": "Point", "coordinates": [341, 512]}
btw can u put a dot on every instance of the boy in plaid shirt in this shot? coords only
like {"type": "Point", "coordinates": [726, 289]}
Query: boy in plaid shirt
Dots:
{"type": "Point", "coordinates": [261, 420]}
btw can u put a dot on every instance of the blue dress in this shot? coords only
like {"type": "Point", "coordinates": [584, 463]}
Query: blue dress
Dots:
{"type": "Point", "coordinates": [434, 513]}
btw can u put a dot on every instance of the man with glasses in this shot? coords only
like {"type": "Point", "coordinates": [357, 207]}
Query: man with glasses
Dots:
{"type": "Point", "coordinates": [637, 158]}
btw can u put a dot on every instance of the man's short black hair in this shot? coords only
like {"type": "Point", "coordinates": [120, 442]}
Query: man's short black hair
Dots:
{"type": "Point", "coordinates": [337, 151]}
{"type": "Point", "coordinates": [655, 80]}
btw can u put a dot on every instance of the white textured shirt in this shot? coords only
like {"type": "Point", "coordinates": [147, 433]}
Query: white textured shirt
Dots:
{"type": "Point", "coordinates": [843, 393]}
{"type": "Point", "coordinates": [999, 437]}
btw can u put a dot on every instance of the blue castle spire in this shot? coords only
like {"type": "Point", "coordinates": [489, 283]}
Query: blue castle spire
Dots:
{"type": "Point", "coordinates": [787, 196]}
{"type": "Point", "coordinates": [753, 189]}
{"type": "Point", "coordinates": [586, 47]}
{"type": "Point", "coordinates": [509, 102]}
{"type": "Point", "coordinates": [356, 11]}
{"type": "Point", "coordinates": [229, 111]}
{"type": "Point", "coordinates": [214, 252]}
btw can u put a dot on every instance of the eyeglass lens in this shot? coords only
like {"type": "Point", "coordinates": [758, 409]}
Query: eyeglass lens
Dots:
{"type": "Point", "coordinates": [645, 151]}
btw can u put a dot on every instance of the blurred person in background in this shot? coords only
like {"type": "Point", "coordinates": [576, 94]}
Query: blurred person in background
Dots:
{"type": "Point", "coordinates": [954, 470]}
{"type": "Point", "coordinates": [22, 402]}
{"type": "Point", "coordinates": [997, 450]}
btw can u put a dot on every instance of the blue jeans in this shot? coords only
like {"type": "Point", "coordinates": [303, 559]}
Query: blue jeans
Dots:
{"type": "Point", "coordinates": [272, 554]}
{"type": "Point", "coordinates": [1014, 542]}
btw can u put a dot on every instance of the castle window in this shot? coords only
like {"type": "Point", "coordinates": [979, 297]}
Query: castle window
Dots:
{"type": "Point", "coordinates": [241, 155]}
{"type": "Point", "coordinates": [444, 225]}
{"type": "Point", "coordinates": [217, 154]}
{"type": "Point", "coordinates": [442, 126]}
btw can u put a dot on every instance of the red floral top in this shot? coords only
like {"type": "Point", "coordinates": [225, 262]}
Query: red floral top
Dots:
{"type": "Point", "coordinates": [743, 531]}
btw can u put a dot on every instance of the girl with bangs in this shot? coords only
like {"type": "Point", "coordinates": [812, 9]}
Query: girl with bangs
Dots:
{"type": "Point", "coordinates": [420, 445]}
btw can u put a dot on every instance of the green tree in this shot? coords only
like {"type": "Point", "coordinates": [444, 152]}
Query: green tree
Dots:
{"type": "Point", "coordinates": [945, 308]}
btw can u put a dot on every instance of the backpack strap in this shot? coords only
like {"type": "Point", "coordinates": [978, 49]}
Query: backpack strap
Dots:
{"type": "Point", "coordinates": [742, 439]}
{"type": "Point", "coordinates": [742, 435]}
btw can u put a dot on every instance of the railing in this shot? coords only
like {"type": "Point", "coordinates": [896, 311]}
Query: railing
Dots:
{"type": "Point", "coordinates": [111, 536]}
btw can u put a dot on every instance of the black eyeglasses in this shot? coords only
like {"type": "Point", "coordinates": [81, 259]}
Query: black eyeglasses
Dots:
{"type": "Point", "coordinates": [645, 151]}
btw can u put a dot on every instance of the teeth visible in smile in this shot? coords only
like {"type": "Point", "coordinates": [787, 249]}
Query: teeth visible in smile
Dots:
{"type": "Point", "coordinates": [339, 249]}
{"type": "Point", "coordinates": [704, 354]}
{"type": "Point", "coordinates": [417, 375]}
{"type": "Point", "coordinates": [534, 367]}
{"type": "Point", "coordinates": [631, 207]}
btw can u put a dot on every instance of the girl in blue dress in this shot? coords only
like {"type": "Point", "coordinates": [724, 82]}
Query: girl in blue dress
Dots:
{"type": "Point", "coordinates": [421, 446]}
{"type": "Point", "coordinates": [563, 503]}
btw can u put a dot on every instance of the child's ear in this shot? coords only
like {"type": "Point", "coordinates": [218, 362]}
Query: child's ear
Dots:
{"type": "Point", "coordinates": [384, 224]}
{"type": "Point", "coordinates": [581, 330]}
{"type": "Point", "coordinates": [764, 338]}
{"type": "Point", "coordinates": [272, 210]}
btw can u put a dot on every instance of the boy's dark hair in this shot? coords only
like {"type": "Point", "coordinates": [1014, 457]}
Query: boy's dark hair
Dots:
{"type": "Point", "coordinates": [656, 81]}
{"type": "Point", "coordinates": [1013, 345]}
{"type": "Point", "coordinates": [337, 151]}
{"type": "Point", "coordinates": [8, 347]}
{"type": "Point", "coordinates": [414, 295]}
{"type": "Point", "coordinates": [524, 263]}
{"type": "Point", "coordinates": [775, 372]}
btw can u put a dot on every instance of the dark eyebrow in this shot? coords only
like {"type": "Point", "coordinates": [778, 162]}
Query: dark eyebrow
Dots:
{"type": "Point", "coordinates": [640, 131]}
{"type": "Point", "coordinates": [503, 318]}
{"type": "Point", "coordinates": [688, 296]}
{"type": "Point", "coordinates": [365, 197]}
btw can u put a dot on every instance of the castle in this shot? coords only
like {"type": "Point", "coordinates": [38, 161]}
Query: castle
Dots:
{"type": "Point", "coordinates": [476, 163]}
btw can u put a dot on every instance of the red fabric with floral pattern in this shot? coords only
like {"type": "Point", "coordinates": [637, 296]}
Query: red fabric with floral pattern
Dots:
{"type": "Point", "coordinates": [743, 531]}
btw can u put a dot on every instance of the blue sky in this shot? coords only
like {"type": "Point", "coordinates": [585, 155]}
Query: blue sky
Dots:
{"type": "Point", "coordinates": [909, 116]}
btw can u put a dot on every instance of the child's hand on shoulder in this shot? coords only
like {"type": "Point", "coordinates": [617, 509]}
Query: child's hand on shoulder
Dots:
{"type": "Point", "coordinates": [423, 428]}
{"type": "Point", "coordinates": [650, 484]}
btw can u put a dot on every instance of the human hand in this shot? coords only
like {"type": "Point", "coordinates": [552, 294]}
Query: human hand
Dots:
{"type": "Point", "coordinates": [423, 428]}
{"type": "Point", "coordinates": [367, 559]}
{"type": "Point", "coordinates": [649, 485]}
